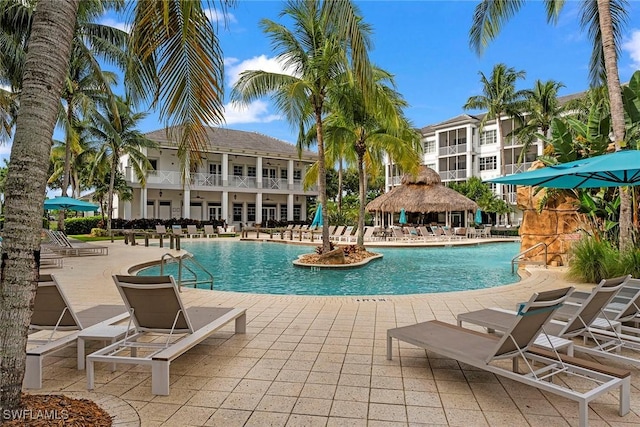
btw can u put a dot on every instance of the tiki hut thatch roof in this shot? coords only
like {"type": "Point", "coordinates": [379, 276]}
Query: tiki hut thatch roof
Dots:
{"type": "Point", "coordinates": [423, 193]}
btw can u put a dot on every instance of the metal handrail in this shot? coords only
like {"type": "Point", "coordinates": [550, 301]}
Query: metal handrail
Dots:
{"type": "Point", "coordinates": [194, 281]}
{"type": "Point", "coordinates": [518, 258]}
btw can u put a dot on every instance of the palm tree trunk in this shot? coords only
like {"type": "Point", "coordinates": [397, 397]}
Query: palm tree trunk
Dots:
{"type": "Point", "coordinates": [45, 69]}
{"type": "Point", "coordinates": [340, 186]}
{"type": "Point", "coordinates": [112, 180]}
{"type": "Point", "coordinates": [322, 181]}
{"type": "Point", "coordinates": [362, 190]}
{"type": "Point", "coordinates": [617, 111]}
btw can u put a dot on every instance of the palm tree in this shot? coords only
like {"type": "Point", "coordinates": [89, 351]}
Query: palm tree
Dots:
{"type": "Point", "coordinates": [603, 20]}
{"type": "Point", "coordinates": [499, 97]}
{"type": "Point", "coordinates": [117, 138]}
{"type": "Point", "coordinates": [541, 108]}
{"type": "Point", "coordinates": [371, 129]}
{"type": "Point", "coordinates": [316, 49]}
{"type": "Point", "coordinates": [174, 35]}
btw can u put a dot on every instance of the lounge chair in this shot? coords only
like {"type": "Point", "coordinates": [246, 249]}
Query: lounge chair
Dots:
{"type": "Point", "coordinates": [209, 231]}
{"type": "Point", "coordinates": [192, 231]}
{"type": "Point", "coordinates": [50, 259]}
{"type": "Point", "coordinates": [335, 236]}
{"type": "Point", "coordinates": [161, 230]}
{"type": "Point", "coordinates": [177, 230]}
{"type": "Point", "coordinates": [586, 319]}
{"type": "Point", "coordinates": [155, 307]}
{"type": "Point", "coordinates": [481, 350]}
{"type": "Point", "coordinates": [425, 233]}
{"type": "Point", "coordinates": [52, 312]}
{"type": "Point", "coordinates": [60, 243]}
{"type": "Point", "coordinates": [349, 235]}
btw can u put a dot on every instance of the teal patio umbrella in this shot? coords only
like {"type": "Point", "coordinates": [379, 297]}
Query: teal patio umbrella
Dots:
{"type": "Point", "coordinates": [403, 217]}
{"type": "Point", "coordinates": [68, 203]}
{"type": "Point", "coordinates": [618, 169]}
{"type": "Point", "coordinates": [478, 218]}
{"type": "Point", "coordinates": [317, 219]}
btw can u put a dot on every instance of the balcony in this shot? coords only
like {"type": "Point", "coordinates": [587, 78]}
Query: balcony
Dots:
{"type": "Point", "coordinates": [452, 150]}
{"type": "Point", "coordinates": [454, 175]}
{"type": "Point", "coordinates": [517, 168]}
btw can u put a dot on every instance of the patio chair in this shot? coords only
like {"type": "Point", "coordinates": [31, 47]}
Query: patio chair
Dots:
{"type": "Point", "coordinates": [209, 231]}
{"type": "Point", "coordinates": [52, 312]}
{"type": "Point", "coordinates": [425, 233]}
{"type": "Point", "coordinates": [337, 233]}
{"type": "Point", "coordinates": [482, 350]}
{"type": "Point", "coordinates": [155, 308]}
{"type": "Point", "coordinates": [349, 235]}
{"type": "Point", "coordinates": [586, 319]}
{"type": "Point", "coordinates": [192, 231]}
{"type": "Point", "coordinates": [60, 243]}
{"type": "Point", "coordinates": [161, 230]}
{"type": "Point", "coordinates": [177, 230]}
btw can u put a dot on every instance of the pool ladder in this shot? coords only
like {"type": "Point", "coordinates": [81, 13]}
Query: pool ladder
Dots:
{"type": "Point", "coordinates": [518, 259]}
{"type": "Point", "coordinates": [191, 280]}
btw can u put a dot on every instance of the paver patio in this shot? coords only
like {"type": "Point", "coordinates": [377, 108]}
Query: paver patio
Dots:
{"type": "Point", "coordinates": [308, 361]}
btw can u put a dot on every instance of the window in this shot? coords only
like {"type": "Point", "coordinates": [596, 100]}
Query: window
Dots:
{"type": "Point", "coordinates": [430, 146]}
{"type": "Point", "coordinates": [297, 174]}
{"type": "Point", "coordinates": [283, 212]}
{"type": "Point", "coordinates": [237, 212]}
{"type": "Point", "coordinates": [251, 213]}
{"type": "Point", "coordinates": [153, 169]}
{"type": "Point", "coordinates": [488, 163]}
{"type": "Point", "coordinates": [296, 212]}
{"type": "Point", "coordinates": [215, 169]}
{"type": "Point", "coordinates": [431, 166]}
{"type": "Point", "coordinates": [237, 170]}
{"type": "Point", "coordinates": [283, 174]}
{"type": "Point", "coordinates": [251, 171]}
{"type": "Point", "coordinates": [488, 137]}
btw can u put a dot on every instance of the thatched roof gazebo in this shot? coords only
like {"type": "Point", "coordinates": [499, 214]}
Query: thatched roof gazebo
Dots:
{"type": "Point", "coordinates": [423, 193]}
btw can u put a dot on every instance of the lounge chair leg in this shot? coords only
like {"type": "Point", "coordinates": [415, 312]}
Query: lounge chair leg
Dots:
{"type": "Point", "coordinates": [160, 377]}
{"type": "Point", "coordinates": [33, 372]}
{"type": "Point", "coordinates": [90, 374]}
{"type": "Point", "coordinates": [625, 396]}
{"type": "Point", "coordinates": [241, 324]}
{"type": "Point", "coordinates": [583, 413]}
{"type": "Point", "coordinates": [389, 347]}
{"type": "Point", "coordinates": [80, 361]}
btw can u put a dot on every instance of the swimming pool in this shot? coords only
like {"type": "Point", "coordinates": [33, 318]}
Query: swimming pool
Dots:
{"type": "Point", "coordinates": [266, 268]}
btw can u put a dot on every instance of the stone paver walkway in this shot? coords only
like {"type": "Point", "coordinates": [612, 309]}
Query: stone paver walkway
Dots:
{"type": "Point", "coordinates": [318, 361]}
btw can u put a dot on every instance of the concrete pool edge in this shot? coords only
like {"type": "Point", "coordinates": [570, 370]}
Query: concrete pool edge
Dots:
{"type": "Point", "coordinates": [362, 263]}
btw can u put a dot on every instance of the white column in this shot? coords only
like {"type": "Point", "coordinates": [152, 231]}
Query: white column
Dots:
{"type": "Point", "coordinates": [289, 207]}
{"type": "Point", "coordinates": [186, 203]}
{"type": "Point", "coordinates": [225, 169]}
{"type": "Point", "coordinates": [258, 208]}
{"type": "Point", "coordinates": [290, 168]}
{"type": "Point", "coordinates": [225, 207]}
{"type": "Point", "coordinates": [470, 143]}
{"type": "Point", "coordinates": [126, 214]}
{"type": "Point", "coordinates": [143, 202]}
{"type": "Point", "coordinates": [258, 173]}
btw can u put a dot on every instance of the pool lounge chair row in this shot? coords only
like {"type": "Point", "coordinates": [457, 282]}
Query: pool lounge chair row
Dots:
{"type": "Point", "coordinates": [521, 330]}
{"type": "Point", "coordinates": [60, 243]}
{"type": "Point", "coordinates": [152, 309]}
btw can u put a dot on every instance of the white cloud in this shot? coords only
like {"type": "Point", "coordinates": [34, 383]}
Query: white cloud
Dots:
{"type": "Point", "coordinates": [632, 46]}
{"type": "Point", "coordinates": [256, 112]}
{"type": "Point", "coordinates": [115, 24]}
{"type": "Point", "coordinates": [234, 67]}
{"type": "Point", "coordinates": [215, 16]}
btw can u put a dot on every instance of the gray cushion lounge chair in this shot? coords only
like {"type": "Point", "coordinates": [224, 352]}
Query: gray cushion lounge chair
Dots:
{"type": "Point", "coordinates": [481, 350]}
{"type": "Point", "coordinates": [586, 319]}
{"type": "Point", "coordinates": [155, 307]}
{"type": "Point", "coordinates": [60, 243]}
{"type": "Point", "coordinates": [52, 312]}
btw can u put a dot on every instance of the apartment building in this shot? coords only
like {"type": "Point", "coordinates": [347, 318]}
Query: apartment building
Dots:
{"type": "Point", "coordinates": [242, 177]}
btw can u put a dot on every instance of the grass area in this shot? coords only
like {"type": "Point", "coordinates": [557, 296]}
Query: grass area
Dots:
{"type": "Point", "coordinates": [89, 238]}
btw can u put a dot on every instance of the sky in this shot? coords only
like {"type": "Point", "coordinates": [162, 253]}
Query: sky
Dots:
{"type": "Point", "coordinates": [425, 45]}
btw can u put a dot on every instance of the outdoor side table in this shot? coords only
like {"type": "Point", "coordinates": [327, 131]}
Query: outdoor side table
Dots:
{"type": "Point", "coordinates": [105, 333]}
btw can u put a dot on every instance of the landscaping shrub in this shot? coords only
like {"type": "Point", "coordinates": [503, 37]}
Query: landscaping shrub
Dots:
{"type": "Point", "coordinates": [81, 225]}
{"type": "Point", "coordinates": [99, 232]}
{"type": "Point", "coordinates": [593, 260]}
{"type": "Point", "coordinates": [629, 263]}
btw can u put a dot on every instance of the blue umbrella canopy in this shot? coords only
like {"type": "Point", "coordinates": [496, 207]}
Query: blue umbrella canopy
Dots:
{"type": "Point", "coordinates": [69, 203]}
{"type": "Point", "coordinates": [403, 217]}
{"type": "Point", "coordinates": [317, 219]}
{"type": "Point", "coordinates": [621, 168]}
{"type": "Point", "coordinates": [478, 218]}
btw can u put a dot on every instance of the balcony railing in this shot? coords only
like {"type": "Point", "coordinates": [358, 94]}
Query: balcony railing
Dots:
{"type": "Point", "coordinates": [242, 181]}
{"type": "Point", "coordinates": [161, 177]}
{"type": "Point", "coordinates": [453, 149]}
{"type": "Point", "coordinates": [206, 180]}
{"type": "Point", "coordinates": [453, 175]}
{"type": "Point", "coordinates": [517, 168]}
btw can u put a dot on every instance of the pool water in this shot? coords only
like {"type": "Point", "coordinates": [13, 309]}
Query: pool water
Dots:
{"type": "Point", "coordinates": [266, 268]}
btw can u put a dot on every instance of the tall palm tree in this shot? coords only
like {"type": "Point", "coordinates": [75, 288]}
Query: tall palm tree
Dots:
{"type": "Point", "coordinates": [371, 129]}
{"type": "Point", "coordinates": [541, 108]}
{"type": "Point", "coordinates": [604, 20]}
{"type": "Point", "coordinates": [317, 49]}
{"type": "Point", "coordinates": [499, 98]}
{"type": "Point", "coordinates": [116, 138]}
{"type": "Point", "coordinates": [175, 36]}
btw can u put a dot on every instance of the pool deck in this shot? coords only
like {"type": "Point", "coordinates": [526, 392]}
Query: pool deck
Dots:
{"type": "Point", "coordinates": [315, 361]}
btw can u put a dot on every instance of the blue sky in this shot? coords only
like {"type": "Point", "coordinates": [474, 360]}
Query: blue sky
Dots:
{"type": "Point", "coordinates": [425, 45]}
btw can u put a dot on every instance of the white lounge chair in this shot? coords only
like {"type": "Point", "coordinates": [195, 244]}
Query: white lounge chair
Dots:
{"type": "Point", "coordinates": [209, 231]}
{"type": "Point", "coordinates": [482, 350]}
{"type": "Point", "coordinates": [60, 243]}
{"type": "Point", "coordinates": [52, 312]}
{"type": "Point", "coordinates": [155, 307]}
{"type": "Point", "coordinates": [192, 231]}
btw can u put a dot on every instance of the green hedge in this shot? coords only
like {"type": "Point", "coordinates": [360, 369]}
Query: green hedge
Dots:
{"type": "Point", "coordinates": [81, 225]}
